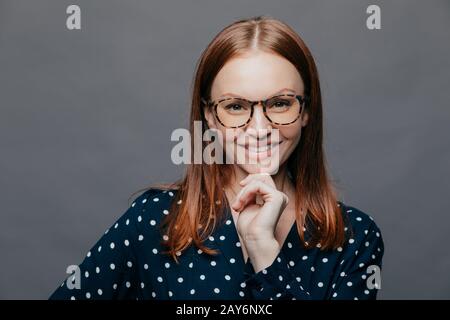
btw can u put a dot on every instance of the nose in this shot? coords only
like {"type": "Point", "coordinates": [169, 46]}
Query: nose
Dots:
{"type": "Point", "coordinates": [259, 126]}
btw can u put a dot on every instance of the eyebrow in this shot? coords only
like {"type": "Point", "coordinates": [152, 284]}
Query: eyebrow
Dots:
{"type": "Point", "coordinates": [229, 94]}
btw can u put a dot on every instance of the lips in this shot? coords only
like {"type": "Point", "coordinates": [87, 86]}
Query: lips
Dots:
{"type": "Point", "coordinates": [254, 148]}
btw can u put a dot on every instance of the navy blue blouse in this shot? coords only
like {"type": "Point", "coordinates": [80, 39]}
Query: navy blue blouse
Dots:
{"type": "Point", "coordinates": [126, 262]}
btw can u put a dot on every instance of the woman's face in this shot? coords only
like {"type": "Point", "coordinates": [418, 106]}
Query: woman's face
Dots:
{"type": "Point", "coordinates": [258, 75]}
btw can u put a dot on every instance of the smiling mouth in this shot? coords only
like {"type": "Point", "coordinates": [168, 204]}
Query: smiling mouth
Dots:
{"type": "Point", "coordinates": [261, 149]}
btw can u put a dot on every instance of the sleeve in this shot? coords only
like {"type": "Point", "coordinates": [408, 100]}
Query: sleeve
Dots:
{"type": "Point", "coordinates": [276, 282]}
{"type": "Point", "coordinates": [358, 276]}
{"type": "Point", "coordinates": [108, 270]}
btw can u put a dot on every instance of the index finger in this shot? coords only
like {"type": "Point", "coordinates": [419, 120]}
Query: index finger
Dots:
{"type": "Point", "coordinates": [263, 177]}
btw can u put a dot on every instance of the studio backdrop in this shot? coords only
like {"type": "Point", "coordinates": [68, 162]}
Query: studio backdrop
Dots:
{"type": "Point", "coordinates": [87, 112]}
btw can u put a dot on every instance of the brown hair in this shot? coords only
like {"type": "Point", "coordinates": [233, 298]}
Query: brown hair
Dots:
{"type": "Point", "coordinates": [201, 191]}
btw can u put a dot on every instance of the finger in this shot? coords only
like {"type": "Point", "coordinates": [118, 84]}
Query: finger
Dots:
{"type": "Point", "coordinates": [248, 194]}
{"type": "Point", "coordinates": [265, 192]}
{"type": "Point", "coordinates": [254, 175]}
{"type": "Point", "coordinates": [264, 177]}
{"type": "Point", "coordinates": [259, 200]}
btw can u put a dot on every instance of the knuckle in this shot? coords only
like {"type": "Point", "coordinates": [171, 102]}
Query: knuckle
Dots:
{"type": "Point", "coordinates": [283, 197]}
{"type": "Point", "coordinates": [279, 194]}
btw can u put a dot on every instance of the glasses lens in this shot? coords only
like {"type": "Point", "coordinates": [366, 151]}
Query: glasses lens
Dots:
{"type": "Point", "coordinates": [283, 109]}
{"type": "Point", "coordinates": [234, 112]}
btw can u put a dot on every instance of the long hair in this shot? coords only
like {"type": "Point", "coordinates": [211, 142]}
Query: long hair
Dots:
{"type": "Point", "coordinates": [200, 201]}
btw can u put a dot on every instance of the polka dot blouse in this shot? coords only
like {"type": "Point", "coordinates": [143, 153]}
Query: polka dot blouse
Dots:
{"type": "Point", "coordinates": [126, 263]}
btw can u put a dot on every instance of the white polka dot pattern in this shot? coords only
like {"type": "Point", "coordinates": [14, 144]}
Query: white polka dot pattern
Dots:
{"type": "Point", "coordinates": [128, 262]}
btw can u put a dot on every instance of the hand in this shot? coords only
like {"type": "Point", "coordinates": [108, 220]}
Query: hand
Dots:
{"type": "Point", "coordinates": [256, 223]}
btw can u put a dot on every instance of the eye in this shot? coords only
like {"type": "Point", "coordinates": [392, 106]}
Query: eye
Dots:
{"type": "Point", "coordinates": [281, 103]}
{"type": "Point", "coordinates": [233, 107]}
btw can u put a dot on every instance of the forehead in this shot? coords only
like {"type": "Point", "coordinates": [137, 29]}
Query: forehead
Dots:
{"type": "Point", "coordinates": [256, 76]}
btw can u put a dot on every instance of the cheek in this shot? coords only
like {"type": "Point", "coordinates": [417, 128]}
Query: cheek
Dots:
{"type": "Point", "coordinates": [229, 136]}
{"type": "Point", "coordinates": [291, 134]}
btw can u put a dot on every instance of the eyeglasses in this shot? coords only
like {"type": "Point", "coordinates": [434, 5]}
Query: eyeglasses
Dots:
{"type": "Point", "coordinates": [235, 112]}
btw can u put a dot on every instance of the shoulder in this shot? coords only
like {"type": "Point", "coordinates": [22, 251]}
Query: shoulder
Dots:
{"type": "Point", "coordinates": [138, 226]}
{"type": "Point", "coordinates": [360, 226]}
{"type": "Point", "coordinates": [154, 196]}
{"type": "Point", "coordinates": [357, 218]}
{"type": "Point", "coordinates": [152, 203]}
{"type": "Point", "coordinates": [147, 210]}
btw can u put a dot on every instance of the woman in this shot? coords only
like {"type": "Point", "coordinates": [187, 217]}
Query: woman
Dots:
{"type": "Point", "coordinates": [261, 230]}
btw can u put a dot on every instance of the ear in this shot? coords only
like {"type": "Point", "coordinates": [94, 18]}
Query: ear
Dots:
{"type": "Point", "coordinates": [209, 116]}
{"type": "Point", "coordinates": [305, 118]}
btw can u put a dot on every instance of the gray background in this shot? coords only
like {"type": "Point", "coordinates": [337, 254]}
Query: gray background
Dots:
{"type": "Point", "coordinates": [86, 118]}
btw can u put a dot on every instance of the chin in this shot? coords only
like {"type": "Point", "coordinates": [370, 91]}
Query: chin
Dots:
{"type": "Point", "coordinates": [251, 168]}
